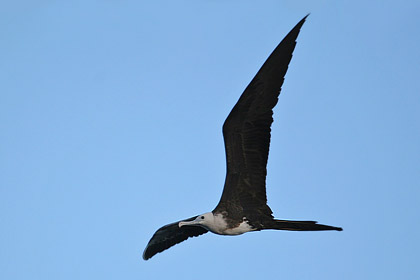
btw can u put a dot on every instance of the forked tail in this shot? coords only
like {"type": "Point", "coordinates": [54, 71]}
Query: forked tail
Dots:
{"type": "Point", "coordinates": [299, 226]}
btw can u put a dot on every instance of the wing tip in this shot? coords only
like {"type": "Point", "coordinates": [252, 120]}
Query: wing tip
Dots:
{"type": "Point", "coordinates": [301, 22]}
{"type": "Point", "coordinates": [145, 256]}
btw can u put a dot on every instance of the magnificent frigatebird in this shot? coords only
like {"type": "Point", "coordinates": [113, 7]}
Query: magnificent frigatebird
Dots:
{"type": "Point", "coordinates": [246, 131]}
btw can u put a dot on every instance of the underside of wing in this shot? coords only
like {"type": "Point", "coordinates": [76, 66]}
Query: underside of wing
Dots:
{"type": "Point", "coordinates": [247, 132]}
{"type": "Point", "coordinates": [170, 235]}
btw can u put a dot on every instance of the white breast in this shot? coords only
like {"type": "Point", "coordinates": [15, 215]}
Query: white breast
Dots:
{"type": "Point", "coordinates": [219, 226]}
{"type": "Point", "coordinates": [242, 228]}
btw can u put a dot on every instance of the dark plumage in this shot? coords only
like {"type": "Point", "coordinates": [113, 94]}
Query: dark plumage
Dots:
{"type": "Point", "coordinates": [246, 131]}
{"type": "Point", "coordinates": [169, 235]}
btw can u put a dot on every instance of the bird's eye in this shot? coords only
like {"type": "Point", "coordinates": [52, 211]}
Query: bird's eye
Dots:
{"type": "Point", "coordinates": [202, 217]}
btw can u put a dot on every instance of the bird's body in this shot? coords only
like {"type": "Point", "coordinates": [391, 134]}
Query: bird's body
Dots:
{"type": "Point", "coordinates": [217, 224]}
{"type": "Point", "coordinates": [246, 131]}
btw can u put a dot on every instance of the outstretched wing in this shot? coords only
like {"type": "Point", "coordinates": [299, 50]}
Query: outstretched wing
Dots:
{"type": "Point", "coordinates": [246, 132]}
{"type": "Point", "coordinates": [169, 235]}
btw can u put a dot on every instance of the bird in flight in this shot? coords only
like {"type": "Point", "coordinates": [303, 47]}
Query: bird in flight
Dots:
{"type": "Point", "coordinates": [246, 131]}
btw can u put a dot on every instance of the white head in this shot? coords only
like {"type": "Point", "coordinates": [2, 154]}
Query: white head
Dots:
{"type": "Point", "coordinates": [205, 220]}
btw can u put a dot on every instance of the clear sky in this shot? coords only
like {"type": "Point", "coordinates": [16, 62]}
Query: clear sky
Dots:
{"type": "Point", "coordinates": [111, 115]}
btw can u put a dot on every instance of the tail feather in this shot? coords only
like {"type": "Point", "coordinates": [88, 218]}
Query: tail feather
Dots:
{"type": "Point", "coordinates": [300, 226]}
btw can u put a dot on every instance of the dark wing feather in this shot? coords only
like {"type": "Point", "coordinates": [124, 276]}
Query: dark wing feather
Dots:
{"type": "Point", "coordinates": [246, 133]}
{"type": "Point", "coordinates": [170, 235]}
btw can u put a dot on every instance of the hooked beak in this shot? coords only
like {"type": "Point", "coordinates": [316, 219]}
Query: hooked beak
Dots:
{"type": "Point", "coordinates": [185, 223]}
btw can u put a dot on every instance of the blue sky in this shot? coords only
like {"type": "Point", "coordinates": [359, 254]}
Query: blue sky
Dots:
{"type": "Point", "coordinates": [111, 115]}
